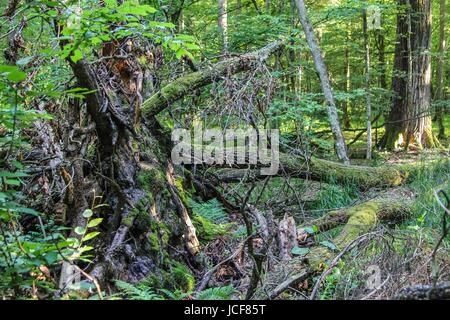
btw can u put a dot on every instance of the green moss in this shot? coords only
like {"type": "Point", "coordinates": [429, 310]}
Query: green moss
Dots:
{"type": "Point", "coordinates": [207, 230]}
{"type": "Point", "coordinates": [153, 240]}
{"type": "Point", "coordinates": [177, 278]}
{"type": "Point", "coordinates": [362, 219]}
{"type": "Point", "coordinates": [151, 179]}
{"type": "Point", "coordinates": [158, 236]}
{"type": "Point", "coordinates": [183, 277]}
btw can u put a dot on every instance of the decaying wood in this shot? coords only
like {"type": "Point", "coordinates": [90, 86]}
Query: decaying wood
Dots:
{"type": "Point", "coordinates": [387, 210]}
{"type": "Point", "coordinates": [287, 237]}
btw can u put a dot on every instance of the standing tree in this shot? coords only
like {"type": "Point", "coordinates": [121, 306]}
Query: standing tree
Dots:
{"type": "Point", "coordinates": [440, 69]}
{"type": "Point", "coordinates": [368, 101]}
{"type": "Point", "coordinates": [409, 119]}
{"type": "Point", "coordinates": [333, 117]}
{"type": "Point", "coordinates": [223, 24]}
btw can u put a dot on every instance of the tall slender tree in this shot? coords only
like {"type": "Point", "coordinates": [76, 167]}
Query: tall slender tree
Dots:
{"type": "Point", "coordinates": [223, 24]}
{"type": "Point", "coordinates": [368, 93]}
{"type": "Point", "coordinates": [321, 68]}
{"type": "Point", "coordinates": [440, 69]}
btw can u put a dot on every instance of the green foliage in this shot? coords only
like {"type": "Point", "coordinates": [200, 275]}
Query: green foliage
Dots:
{"type": "Point", "coordinates": [176, 283]}
{"type": "Point", "coordinates": [209, 219]}
{"type": "Point", "coordinates": [332, 196]}
{"type": "Point", "coordinates": [426, 211]}
{"type": "Point", "coordinates": [135, 292]}
{"type": "Point", "coordinates": [217, 293]}
{"type": "Point", "coordinates": [330, 283]}
{"type": "Point", "coordinates": [211, 210]}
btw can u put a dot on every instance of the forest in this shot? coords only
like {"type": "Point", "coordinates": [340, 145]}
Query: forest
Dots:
{"type": "Point", "coordinates": [224, 150]}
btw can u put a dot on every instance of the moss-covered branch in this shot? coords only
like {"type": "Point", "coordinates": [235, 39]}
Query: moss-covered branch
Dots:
{"type": "Point", "coordinates": [195, 80]}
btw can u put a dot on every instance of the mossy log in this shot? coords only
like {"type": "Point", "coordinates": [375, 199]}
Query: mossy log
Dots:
{"type": "Point", "coordinates": [359, 220]}
{"type": "Point", "coordinates": [386, 208]}
{"type": "Point", "coordinates": [364, 177]}
{"type": "Point", "coordinates": [186, 84]}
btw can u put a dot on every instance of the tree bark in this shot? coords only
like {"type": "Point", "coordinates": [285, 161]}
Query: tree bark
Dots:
{"type": "Point", "coordinates": [363, 177]}
{"type": "Point", "coordinates": [333, 117]}
{"type": "Point", "coordinates": [346, 103]}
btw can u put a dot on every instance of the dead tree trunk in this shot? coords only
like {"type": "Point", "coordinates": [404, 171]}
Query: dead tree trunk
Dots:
{"type": "Point", "coordinates": [360, 220]}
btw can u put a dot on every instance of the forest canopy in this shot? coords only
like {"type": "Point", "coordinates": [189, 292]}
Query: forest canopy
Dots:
{"type": "Point", "coordinates": [218, 150]}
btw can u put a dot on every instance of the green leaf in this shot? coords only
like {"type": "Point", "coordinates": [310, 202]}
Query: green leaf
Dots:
{"type": "Point", "coordinates": [311, 229]}
{"type": "Point", "coordinates": [94, 222]}
{"type": "Point", "coordinates": [80, 230]}
{"type": "Point", "coordinates": [24, 61]}
{"type": "Point", "coordinates": [6, 68]}
{"type": "Point", "coordinates": [329, 245]}
{"type": "Point", "coordinates": [90, 235]}
{"type": "Point", "coordinates": [27, 211]}
{"type": "Point", "coordinates": [16, 76]}
{"type": "Point", "coordinates": [88, 213]}
{"type": "Point", "coordinates": [139, 10]}
{"type": "Point", "coordinates": [8, 174]}
{"type": "Point", "coordinates": [51, 257]}
{"type": "Point", "coordinates": [76, 56]}
{"type": "Point", "coordinates": [300, 251]}
{"type": "Point", "coordinates": [12, 182]}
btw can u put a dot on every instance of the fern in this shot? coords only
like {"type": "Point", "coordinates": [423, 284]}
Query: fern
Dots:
{"type": "Point", "coordinates": [211, 210]}
{"type": "Point", "coordinates": [138, 292]}
{"type": "Point", "coordinates": [210, 219]}
{"type": "Point", "coordinates": [217, 293]}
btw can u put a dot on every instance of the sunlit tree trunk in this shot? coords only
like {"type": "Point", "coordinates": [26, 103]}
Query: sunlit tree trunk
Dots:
{"type": "Point", "coordinates": [368, 93]}
{"type": "Point", "coordinates": [333, 117]}
{"type": "Point", "coordinates": [267, 5]}
{"type": "Point", "coordinates": [440, 69]}
{"type": "Point", "coordinates": [346, 103]}
{"type": "Point", "coordinates": [223, 24]}
{"type": "Point", "coordinates": [419, 119]}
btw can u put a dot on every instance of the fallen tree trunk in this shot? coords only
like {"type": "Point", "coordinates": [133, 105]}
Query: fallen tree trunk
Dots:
{"type": "Point", "coordinates": [364, 177]}
{"type": "Point", "coordinates": [195, 80]}
{"type": "Point", "coordinates": [386, 210]}
{"type": "Point", "coordinates": [361, 219]}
